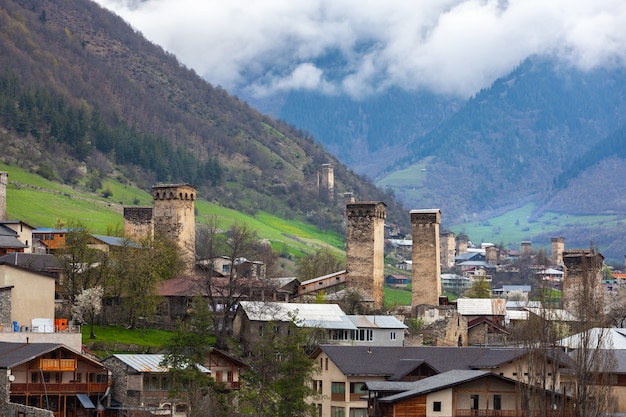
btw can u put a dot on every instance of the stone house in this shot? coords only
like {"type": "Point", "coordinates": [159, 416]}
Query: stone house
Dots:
{"type": "Point", "coordinates": [50, 376]}
{"type": "Point", "coordinates": [141, 383]}
{"type": "Point", "coordinates": [333, 324]}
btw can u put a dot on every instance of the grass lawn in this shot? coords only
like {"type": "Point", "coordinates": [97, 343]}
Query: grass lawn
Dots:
{"type": "Point", "coordinates": [118, 339]}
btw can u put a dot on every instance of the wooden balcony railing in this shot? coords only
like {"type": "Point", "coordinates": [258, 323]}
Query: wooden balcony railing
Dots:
{"type": "Point", "coordinates": [507, 413]}
{"type": "Point", "coordinates": [58, 388]}
{"type": "Point", "coordinates": [57, 364]}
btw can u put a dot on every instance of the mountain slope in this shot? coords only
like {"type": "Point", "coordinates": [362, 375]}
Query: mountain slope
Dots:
{"type": "Point", "coordinates": [79, 84]}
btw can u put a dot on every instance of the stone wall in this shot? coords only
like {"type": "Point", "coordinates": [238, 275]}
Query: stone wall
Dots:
{"type": "Point", "coordinates": [5, 308]}
{"type": "Point", "coordinates": [19, 410]}
{"type": "Point", "coordinates": [138, 222]}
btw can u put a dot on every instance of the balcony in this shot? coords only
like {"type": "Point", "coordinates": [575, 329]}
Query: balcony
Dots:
{"type": "Point", "coordinates": [57, 364]}
{"type": "Point", "coordinates": [59, 388]}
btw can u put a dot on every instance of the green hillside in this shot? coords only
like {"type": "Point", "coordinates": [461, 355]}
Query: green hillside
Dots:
{"type": "Point", "coordinates": [41, 203]}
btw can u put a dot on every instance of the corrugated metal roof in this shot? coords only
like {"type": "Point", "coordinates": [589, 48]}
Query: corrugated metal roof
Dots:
{"type": "Point", "coordinates": [378, 321]}
{"type": "Point", "coordinates": [481, 306]}
{"type": "Point", "coordinates": [309, 315]}
{"type": "Point", "coordinates": [148, 363]}
{"type": "Point", "coordinates": [598, 338]}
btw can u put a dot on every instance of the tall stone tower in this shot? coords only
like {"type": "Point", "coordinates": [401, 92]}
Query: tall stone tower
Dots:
{"type": "Point", "coordinates": [173, 214]}
{"type": "Point", "coordinates": [582, 276]}
{"type": "Point", "coordinates": [426, 268]}
{"type": "Point", "coordinates": [491, 255]}
{"type": "Point", "coordinates": [327, 181]}
{"type": "Point", "coordinates": [558, 246]}
{"type": "Point", "coordinates": [4, 180]}
{"type": "Point", "coordinates": [365, 248]}
{"type": "Point", "coordinates": [527, 249]}
{"type": "Point", "coordinates": [448, 250]}
{"type": "Point", "coordinates": [461, 245]}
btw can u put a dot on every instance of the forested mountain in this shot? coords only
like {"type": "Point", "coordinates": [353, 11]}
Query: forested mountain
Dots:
{"type": "Point", "coordinates": [546, 134]}
{"type": "Point", "coordinates": [80, 88]}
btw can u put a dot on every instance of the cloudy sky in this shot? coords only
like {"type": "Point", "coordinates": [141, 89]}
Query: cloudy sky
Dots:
{"type": "Point", "coordinates": [450, 46]}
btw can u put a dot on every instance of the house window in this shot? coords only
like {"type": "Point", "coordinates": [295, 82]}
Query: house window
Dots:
{"type": "Point", "coordinates": [362, 334]}
{"type": "Point", "coordinates": [474, 400]}
{"type": "Point", "coordinates": [226, 268]}
{"type": "Point", "coordinates": [78, 377]}
{"type": "Point", "coordinates": [337, 412]}
{"type": "Point", "coordinates": [358, 412]}
{"type": "Point", "coordinates": [34, 377]}
{"type": "Point", "coordinates": [497, 402]}
{"type": "Point", "coordinates": [392, 336]}
{"type": "Point", "coordinates": [327, 364]}
{"type": "Point", "coordinates": [317, 386]}
{"type": "Point", "coordinates": [319, 410]}
{"type": "Point", "coordinates": [338, 391]}
{"type": "Point", "coordinates": [357, 390]}
{"type": "Point", "coordinates": [437, 406]}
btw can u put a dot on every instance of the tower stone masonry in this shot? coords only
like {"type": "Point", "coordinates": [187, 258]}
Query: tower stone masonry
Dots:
{"type": "Point", "coordinates": [365, 245]}
{"type": "Point", "coordinates": [327, 181]}
{"type": "Point", "coordinates": [426, 257]}
{"type": "Point", "coordinates": [174, 216]}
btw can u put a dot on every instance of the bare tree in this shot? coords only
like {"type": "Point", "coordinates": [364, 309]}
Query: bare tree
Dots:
{"type": "Point", "coordinates": [592, 356]}
{"type": "Point", "coordinates": [321, 262]}
{"type": "Point", "coordinates": [225, 288]}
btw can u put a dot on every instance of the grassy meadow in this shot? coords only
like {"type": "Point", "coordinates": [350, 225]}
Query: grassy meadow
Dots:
{"type": "Point", "coordinates": [43, 203]}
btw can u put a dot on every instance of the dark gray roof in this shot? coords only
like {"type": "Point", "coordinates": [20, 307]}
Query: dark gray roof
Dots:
{"type": "Point", "coordinates": [438, 382]}
{"type": "Point", "coordinates": [32, 261]}
{"type": "Point", "coordinates": [396, 362]}
{"type": "Point", "coordinates": [116, 241]}
{"type": "Point", "coordinates": [13, 354]}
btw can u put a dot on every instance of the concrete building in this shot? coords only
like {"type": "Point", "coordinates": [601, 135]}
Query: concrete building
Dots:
{"type": "Point", "coordinates": [425, 255]}
{"type": "Point", "coordinates": [365, 249]}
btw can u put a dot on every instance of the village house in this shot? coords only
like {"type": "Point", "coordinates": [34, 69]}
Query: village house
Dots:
{"type": "Point", "coordinates": [141, 383]}
{"type": "Point", "coordinates": [9, 242]}
{"type": "Point", "coordinates": [53, 377]}
{"type": "Point", "coordinates": [457, 393]}
{"type": "Point", "coordinates": [225, 368]}
{"type": "Point", "coordinates": [24, 232]}
{"type": "Point", "coordinates": [333, 324]}
{"type": "Point", "coordinates": [346, 372]}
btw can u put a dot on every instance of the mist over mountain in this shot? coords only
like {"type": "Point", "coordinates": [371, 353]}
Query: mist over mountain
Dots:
{"type": "Point", "coordinates": [84, 96]}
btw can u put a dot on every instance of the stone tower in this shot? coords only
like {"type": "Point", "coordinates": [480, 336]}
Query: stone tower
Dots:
{"type": "Point", "coordinates": [491, 255]}
{"type": "Point", "coordinates": [327, 181]}
{"type": "Point", "coordinates": [461, 245]}
{"type": "Point", "coordinates": [448, 250]}
{"type": "Point", "coordinates": [527, 249]}
{"type": "Point", "coordinates": [558, 246]}
{"type": "Point", "coordinates": [426, 268]}
{"type": "Point", "coordinates": [4, 180]}
{"type": "Point", "coordinates": [365, 248]}
{"type": "Point", "coordinates": [173, 215]}
{"type": "Point", "coordinates": [582, 273]}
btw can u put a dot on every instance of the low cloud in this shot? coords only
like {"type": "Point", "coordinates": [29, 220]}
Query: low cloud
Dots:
{"type": "Point", "coordinates": [362, 47]}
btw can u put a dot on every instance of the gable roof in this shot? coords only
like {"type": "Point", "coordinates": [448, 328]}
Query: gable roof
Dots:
{"type": "Point", "coordinates": [33, 261]}
{"type": "Point", "coordinates": [377, 322]}
{"type": "Point", "coordinates": [116, 241]}
{"type": "Point", "coordinates": [147, 363]}
{"type": "Point", "coordinates": [481, 306]}
{"type": "Point", "coordinates": [14, 354]}
{"type": "Point", "coordinates": [396, 362]}
{"type": "Point", "coordinates": [327, 316]}
{"type": "Point", "coordinates": [439, 382]}
{"type": "Point", "coordinates": [598, 337]}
